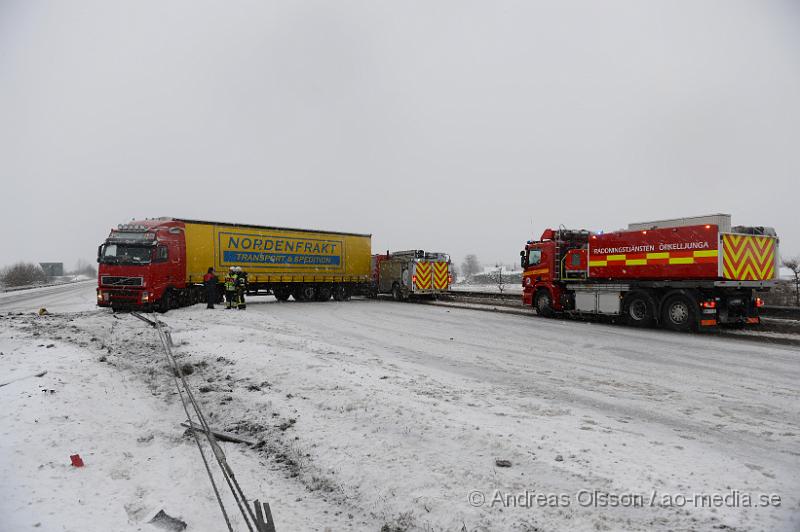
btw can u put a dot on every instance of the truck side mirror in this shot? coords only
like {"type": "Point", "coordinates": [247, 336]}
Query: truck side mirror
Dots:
{"type": "Point", "coordinates": [99, 252]}
{"type": "Point", "coordinates": [522, 258]}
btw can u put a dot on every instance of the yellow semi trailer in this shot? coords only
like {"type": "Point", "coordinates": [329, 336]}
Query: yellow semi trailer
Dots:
{"type": "Point", "coordinates": [161, 262]}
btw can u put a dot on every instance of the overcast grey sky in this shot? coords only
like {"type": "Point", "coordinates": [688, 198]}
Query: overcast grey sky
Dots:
{"type": "Point", "coordinates": [452, 125]}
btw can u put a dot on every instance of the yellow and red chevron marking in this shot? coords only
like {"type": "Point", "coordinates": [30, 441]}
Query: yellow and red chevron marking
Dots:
{"type": "Point", "coordinates": [748, 258]}
{"type": "Point", "coordinates": [440, 275]}
{"type": "Point", "coordinates": [423, 273]}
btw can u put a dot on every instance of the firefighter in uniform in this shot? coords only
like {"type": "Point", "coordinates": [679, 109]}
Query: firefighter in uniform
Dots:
{"type": "Point", "coordinates": [241, 288]}
{"type": "Point", "coordinates": [230, 287]}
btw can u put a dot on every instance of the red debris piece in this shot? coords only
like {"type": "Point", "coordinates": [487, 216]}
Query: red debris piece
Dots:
{"type": "Point", "coordinates": [76, 460]}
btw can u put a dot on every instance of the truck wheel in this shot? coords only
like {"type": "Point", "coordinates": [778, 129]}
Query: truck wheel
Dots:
{"type": "Point", "coordinates": [164, 304]}
{"type": "Point", "coordinates": [323, 293]}
{"type": "Point", "coordinates": [639, 309]}
{"type": "Point", "coordinates": [281, 294]}
{"type": "Point", "coordinates": [543, 304]}
{"type": "Point", "coordinates": [678, 313]}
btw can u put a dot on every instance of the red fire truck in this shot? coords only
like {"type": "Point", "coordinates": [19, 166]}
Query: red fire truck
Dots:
{"type": "Point", "coordinates": [411, 273]}
{"type": "Point", "coordinates": [681, 274]}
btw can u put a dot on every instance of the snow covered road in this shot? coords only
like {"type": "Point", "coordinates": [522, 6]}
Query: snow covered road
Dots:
{"type": "Point", "coordinates": [396, 414]}
{"type": "Point", "coordinates": [60, 298]}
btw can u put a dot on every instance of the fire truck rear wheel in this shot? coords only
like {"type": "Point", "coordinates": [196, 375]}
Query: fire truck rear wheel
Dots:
{"type": "Point", "coordinates": [543, 304]}
{"type": "Point", "coordinates": [677, 313]}
{"type": "Point", "coordinates": [639, 309]}
{"type": "Point", "coordinates": [281, 294]}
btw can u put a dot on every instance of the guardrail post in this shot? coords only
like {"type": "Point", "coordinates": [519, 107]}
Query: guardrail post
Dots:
{"type": "Point", "coordinates": [264, 522]}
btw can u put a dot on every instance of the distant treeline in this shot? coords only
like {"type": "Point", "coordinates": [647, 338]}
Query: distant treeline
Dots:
{"type": "Point", "coordinates": [29, 273]}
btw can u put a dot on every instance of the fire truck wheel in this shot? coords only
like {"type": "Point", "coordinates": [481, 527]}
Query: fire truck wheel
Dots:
{"type": "Point", "coordinates": [677, 313]}
{"type": "Point", "coordinates": [543, 304]}
{"type": "Point", "coordinates": [639, 309]}
{"type": "Point", "coordinates": [323, 293]}
{"type": "Point", "coordinates": [281, 294]}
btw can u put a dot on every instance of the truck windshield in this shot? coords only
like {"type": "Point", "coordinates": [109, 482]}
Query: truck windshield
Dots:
{"type": "Point", "coordinates": [119, 254]}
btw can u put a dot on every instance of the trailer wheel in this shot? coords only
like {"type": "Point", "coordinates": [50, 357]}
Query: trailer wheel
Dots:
{"type": "Point", "coordinates": [323, 293]}
{"type": "Point", "coordinates": [338, 293]}
{"type": "Point", "coordinates": [639, 309]}
{"type": "Point", "coordinates": [281, 294]}
{"type": "Point", "coordinates": [309, 292]}
{"type": "Point", "coordinates": [543, 304]}
{"type": "Point", "coordinates": [678, 313]}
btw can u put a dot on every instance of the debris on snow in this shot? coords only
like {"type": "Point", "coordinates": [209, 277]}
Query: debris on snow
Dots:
{"type": "Point", "coordinates": [166, 522]}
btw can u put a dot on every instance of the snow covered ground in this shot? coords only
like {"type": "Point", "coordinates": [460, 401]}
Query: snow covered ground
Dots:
{"type": "Point", "coordinates": [61, 298]}
{"type": "Point", "coordinates": [376, 415]}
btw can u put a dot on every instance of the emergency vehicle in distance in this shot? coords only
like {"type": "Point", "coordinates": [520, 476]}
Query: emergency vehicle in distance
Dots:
{"type": "Point", "coordinates": [159, 263]}
{"type": "Point", "coordinates": [681, 274]}
{"type": "Point", "coordinates": [412, 273]}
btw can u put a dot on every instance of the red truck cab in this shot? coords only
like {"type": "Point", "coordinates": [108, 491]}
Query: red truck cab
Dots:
{"type": "Point", "coordinates": [547, 261]}
{"type": "Point", "coordinates": [141, 265]}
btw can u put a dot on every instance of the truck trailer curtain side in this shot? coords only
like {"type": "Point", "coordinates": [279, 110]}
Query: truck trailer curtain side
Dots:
{"type": "Point", "coordinates": [277, 255]}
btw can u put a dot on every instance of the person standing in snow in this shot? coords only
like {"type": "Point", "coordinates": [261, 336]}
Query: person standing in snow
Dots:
{"type": "Point", "coordinates": [241, 288]}
{"type": "Point", "coordinates": [230, 287]}
{"type": "Point", "coordinates": [210, 282]}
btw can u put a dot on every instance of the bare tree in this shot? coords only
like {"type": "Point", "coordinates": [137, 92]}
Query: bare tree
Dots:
{"type": "Point", "coordinates": [471, 266]}
{"type": "Point", "coordinates": [454, 271]}
{"type": "Point", "coordinates": [83, 267]}
{"type": "Point", "coordinates": [794, 265]}
{"type": "Point", "coordinates": [496, 277]}
{"type": "Point", "coordinates": [23, 274]}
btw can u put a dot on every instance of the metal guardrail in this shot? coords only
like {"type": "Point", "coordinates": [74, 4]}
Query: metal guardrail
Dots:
{"type": "Point", "coordinates": [770, 311]}
{"type": "Point", "coordinates": [773, 311]}
{"type": "Point", "coordinates": [43, 285]}
{"type": "Point", "coordinates": [486, 295]}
